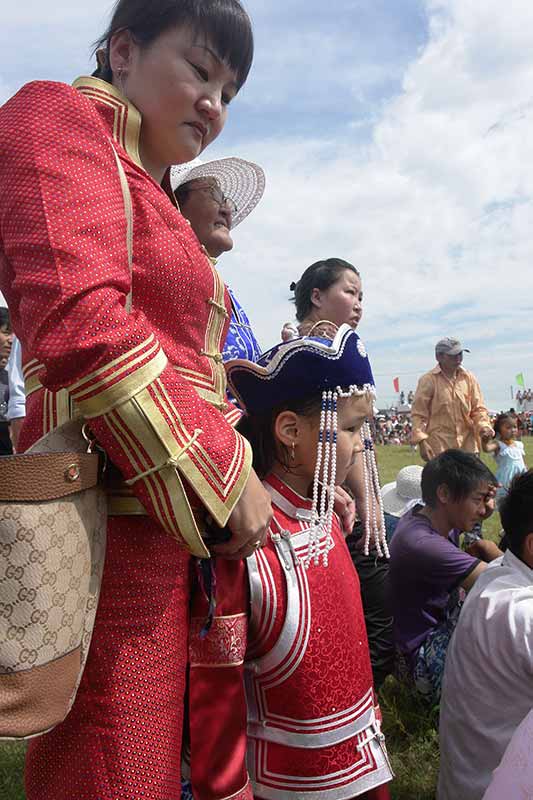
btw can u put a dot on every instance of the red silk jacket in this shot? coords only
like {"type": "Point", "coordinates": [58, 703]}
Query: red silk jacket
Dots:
{"type": "Point", "coordinates": [150, 381]}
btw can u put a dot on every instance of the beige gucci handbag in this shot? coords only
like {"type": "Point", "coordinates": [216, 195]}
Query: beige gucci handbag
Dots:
{"type": "Point", "coordinates": [53, 514]}
{"type": "Point", "coordinates": [52, 545]}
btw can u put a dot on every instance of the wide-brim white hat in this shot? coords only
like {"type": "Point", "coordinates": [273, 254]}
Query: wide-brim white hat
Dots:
{"type": "Point", "coordinates": [242, 181]}
{"type": "Point", "coordinates": [403, 493]}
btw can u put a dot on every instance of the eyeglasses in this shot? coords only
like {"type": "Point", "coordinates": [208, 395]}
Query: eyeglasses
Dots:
{"type": "Point", "coordinates": [218, 196]}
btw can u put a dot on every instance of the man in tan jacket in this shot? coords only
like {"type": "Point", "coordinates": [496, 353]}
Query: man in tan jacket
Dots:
{"type": "Point", "coordinates": [448, 408]}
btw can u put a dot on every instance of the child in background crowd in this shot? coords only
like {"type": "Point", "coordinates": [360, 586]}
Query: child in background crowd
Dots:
{"type": "Point", "coordinates": [280, 676]}
{"type": "Point", "coordinates": [427, 567]}
{"type": "Point", "coordinates": [507, 451]}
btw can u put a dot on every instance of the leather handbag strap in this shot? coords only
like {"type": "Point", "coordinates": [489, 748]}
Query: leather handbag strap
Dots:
{"type": "Point", "coordinates": [39, 477]}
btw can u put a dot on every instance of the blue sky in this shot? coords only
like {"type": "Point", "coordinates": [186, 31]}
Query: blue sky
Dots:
{"type": "Point", "coordinates": [396, 134]}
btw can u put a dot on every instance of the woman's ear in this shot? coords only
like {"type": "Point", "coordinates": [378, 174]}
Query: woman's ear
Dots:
{"type": "Point", "coordinates": [316, 298]}
{"type": "Point", "coordinates": [286, 428]}
{"type": "Point", "coordinates": [120, 52]}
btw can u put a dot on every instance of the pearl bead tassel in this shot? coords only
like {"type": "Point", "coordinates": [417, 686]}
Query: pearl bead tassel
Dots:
{"type": "Point", "coordinates": [324, 480]}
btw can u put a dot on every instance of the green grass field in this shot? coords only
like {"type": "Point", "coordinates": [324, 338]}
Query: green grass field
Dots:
{"type": "Point", "coordinates": [410, 727]}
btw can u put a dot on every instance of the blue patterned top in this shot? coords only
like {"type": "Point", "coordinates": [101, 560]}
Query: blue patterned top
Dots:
{"type": "Point", "coordinates": [240, 341]}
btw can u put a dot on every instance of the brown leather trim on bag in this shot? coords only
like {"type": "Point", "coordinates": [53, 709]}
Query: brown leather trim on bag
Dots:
{"type": "Point", "coordinates": [46, 476]}
{"type": "Point", "coordinates": [35, 700]}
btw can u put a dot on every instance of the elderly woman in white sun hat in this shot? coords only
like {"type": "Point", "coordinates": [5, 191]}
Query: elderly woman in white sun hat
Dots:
{"type": "Point", "coordinates": [404, 493]}
{"type": "Point", "coordinates": [215, 197]}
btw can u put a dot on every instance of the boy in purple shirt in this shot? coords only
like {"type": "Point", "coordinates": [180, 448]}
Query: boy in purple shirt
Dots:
{"type": "Point", "coordinates": [428, 569]}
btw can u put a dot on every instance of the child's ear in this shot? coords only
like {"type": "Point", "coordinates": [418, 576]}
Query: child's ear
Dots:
{"type": "Point", "coordinates": [443, 494]}
{"type": "Point", "coordinates": [286, 428]}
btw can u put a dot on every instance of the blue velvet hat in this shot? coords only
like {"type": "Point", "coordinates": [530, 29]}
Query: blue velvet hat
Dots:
{"type": "Point", "coordinates": [301, 368]}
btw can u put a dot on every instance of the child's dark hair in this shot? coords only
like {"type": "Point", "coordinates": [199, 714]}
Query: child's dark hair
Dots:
{"type": "Point", "coordinates": [320, 275]}
{"type": "Point", "coordinates": [516, 512]}
{"type": "Point", "coordinates": [259, 430]}
{"type": "Point", "coordinates": [224, 23]}
{"type": "Point", "coordinates": [500, 419]}
{"type": "Point", "coordinates": [461, 472]}
{"type": "Point", "coordinates": [5, 321]}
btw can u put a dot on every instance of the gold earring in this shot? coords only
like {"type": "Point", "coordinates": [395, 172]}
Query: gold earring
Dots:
{"type": "Point", "coordinates": [120, 77]}
{"type": "Point", "coordinates": [293, 452]}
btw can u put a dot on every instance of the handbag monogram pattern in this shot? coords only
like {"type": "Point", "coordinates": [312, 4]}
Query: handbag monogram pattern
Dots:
{"type": "Point", "coordinates": [51, 563]}
{"type": "Point", "coordinates": [45, 551]}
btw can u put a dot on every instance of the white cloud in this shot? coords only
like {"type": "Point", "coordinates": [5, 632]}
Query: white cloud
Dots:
{"type": "Point", "coordinates": [436, 211]}
{"type": "Point", "coordinates": [433, 203]}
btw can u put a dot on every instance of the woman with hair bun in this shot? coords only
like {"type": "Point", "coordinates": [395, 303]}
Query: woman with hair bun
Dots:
{"type": "Point", "coordinates": [329, 294]}
{"type": "Point", "coordinates": [127, 326]}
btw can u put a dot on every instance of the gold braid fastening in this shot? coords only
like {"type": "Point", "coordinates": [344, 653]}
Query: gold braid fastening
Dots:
{"type": "Point", "coordinates": [170, 462]}
{"type": "Point", "coordinates": [217, 357]}
{"type": "Point", "coordinates": [219, 307]}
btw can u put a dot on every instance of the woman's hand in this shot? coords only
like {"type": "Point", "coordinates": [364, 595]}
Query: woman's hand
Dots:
{"type": "Point", "coordinates": [248, 522]}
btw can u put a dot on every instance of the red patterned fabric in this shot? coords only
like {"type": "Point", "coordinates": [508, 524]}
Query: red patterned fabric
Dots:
{"type": "Point", "coordinates": [311, 722]}
{"type": "Point", "coordinates": [65, 274]}
{"type": "Point", "coordinates": [152, 385]}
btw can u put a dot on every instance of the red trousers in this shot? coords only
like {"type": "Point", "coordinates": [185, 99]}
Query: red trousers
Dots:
{"type": "Point", "coordinates": [122, 739]}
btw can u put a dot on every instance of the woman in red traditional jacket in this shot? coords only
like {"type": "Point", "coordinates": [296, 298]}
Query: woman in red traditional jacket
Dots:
{"type": "Point", "coordinates": [149, 378]}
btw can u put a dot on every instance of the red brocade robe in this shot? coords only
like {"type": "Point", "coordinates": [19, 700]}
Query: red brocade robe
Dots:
{"type": "Point", "coordinates": [281, 698]}
{"type": "Point", "coordinates": [151, 384]}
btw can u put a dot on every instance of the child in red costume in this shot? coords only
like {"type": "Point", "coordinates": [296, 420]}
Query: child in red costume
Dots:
{"type": "Point", "coordinates": [282, 705]}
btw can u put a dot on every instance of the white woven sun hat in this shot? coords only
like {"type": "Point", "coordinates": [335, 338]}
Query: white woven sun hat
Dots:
{"type": "Point", "coordinates": [242, 181]}
{"type": "Point", "coordinates": [403, 493]}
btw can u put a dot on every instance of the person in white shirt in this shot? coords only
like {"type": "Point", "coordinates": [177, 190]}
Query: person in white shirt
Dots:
{"type": "Point", "coordinates": [16, 407]}
{"type": "Point", "coordinates": [488, 678]}
{"type": "Point", "coordinates": [514, 776]}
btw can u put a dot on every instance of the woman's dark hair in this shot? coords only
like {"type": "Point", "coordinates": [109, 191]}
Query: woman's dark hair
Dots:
{"type": "Point", "coordinates": [516, 512]}
{"type": "Point", "coordinates": [500, 419]}
{"type": "Point", "coordinates": [224, 23]}
{"type": "Point", "coordinates": [5, 321]}
{"type": "Point", "coordinates": [320, 275]}
{"type": "Point", "coordinates": [183, 190]}
{"type": "Point", "coordinates": [259, 430]}
{"type": "Point", "coordinates": [461, 472]}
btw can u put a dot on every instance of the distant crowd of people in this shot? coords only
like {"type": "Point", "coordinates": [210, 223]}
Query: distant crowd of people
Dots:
{"type": "Point", "coordinates": [524, 396]}
{"type": "Point", "coordinates": [392, 428]}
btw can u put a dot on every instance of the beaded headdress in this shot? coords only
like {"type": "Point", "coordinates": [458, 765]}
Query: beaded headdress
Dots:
{"type": "Point", "coordinates": [333, 369]}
